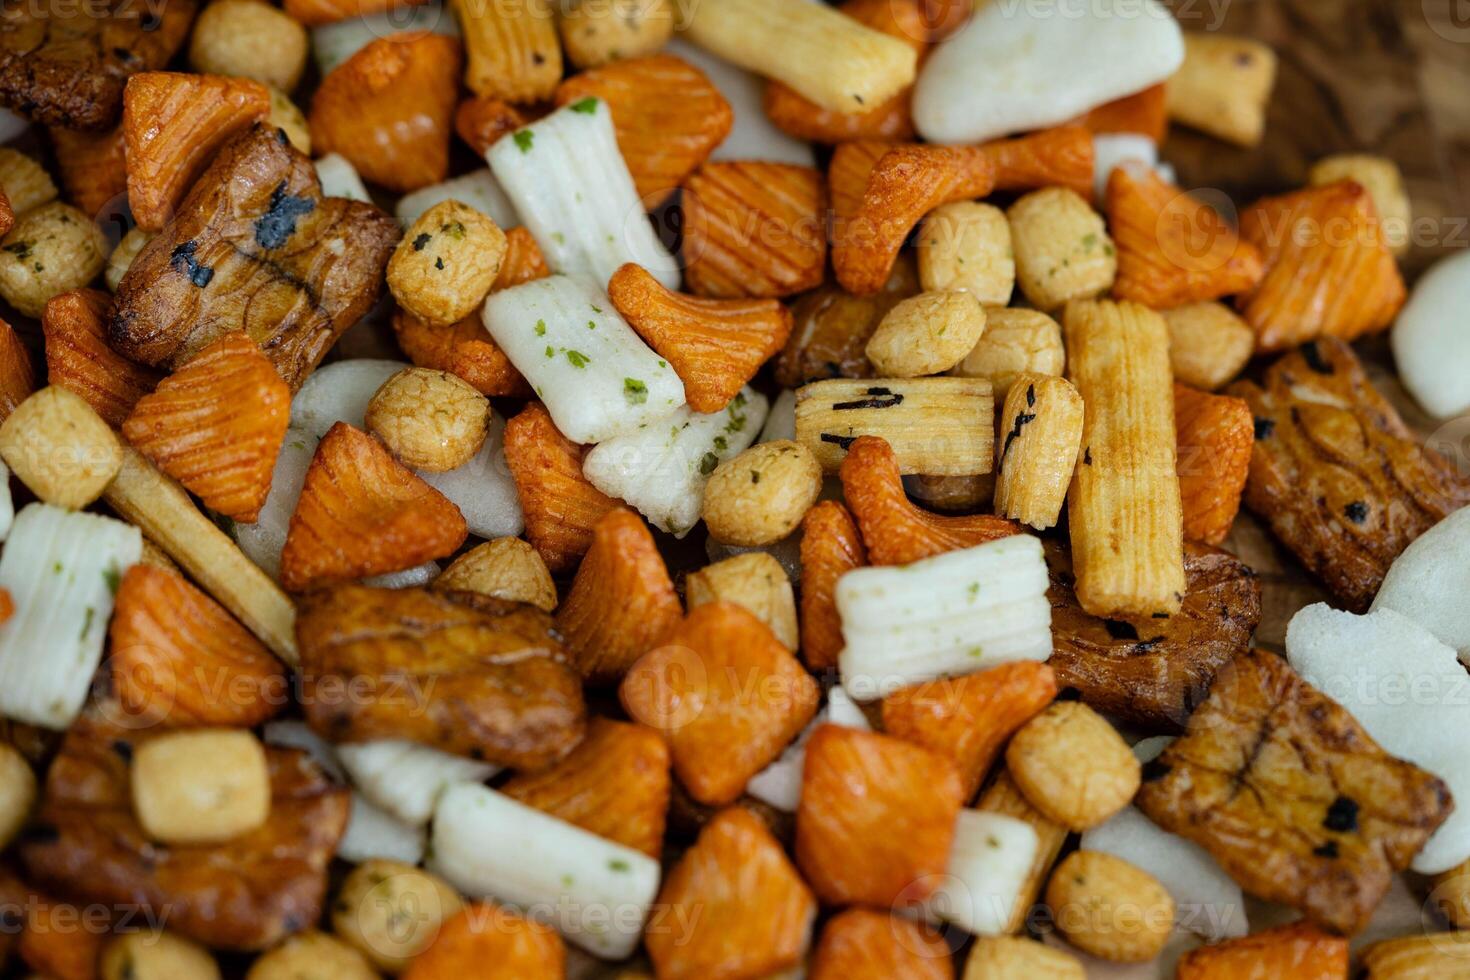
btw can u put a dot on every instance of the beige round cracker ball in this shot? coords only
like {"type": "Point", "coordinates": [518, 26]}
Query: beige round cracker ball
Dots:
{"type": "Point", "coordinates": [50, 250]}
{"type": "Point", "coordinates": [156, 956]}
{"type": "Point", "coordinates": [506, 568]}
{"type": "Point", "coordinates": [759, 496]}
{"type": "Point", "coordinates": [1109, 908]}
{"type": "Point", "coordinates": [249, 39]}
{"type": "Point", "coordinates": [312, 954]}
{"type": "Point", "coordinates": [431, 420]}
{"type": "Point", "coordinates": [926, 334]}
{"type": "Point", "coordinates": [1073, 766]}
{"type": "Point", "coordinates": [201, 787]}
{"type": "Point", "coordinates": [391, 912]}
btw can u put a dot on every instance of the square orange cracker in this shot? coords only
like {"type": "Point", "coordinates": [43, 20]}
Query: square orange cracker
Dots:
{"type": "Point", "coordinates": [387, 109]}
{"type": "Point", "coordinates": [1145, 113]}
{"type": "Point", "coordinates": [93, 167]}
{"type": "Point", "coordinates": [1062, 156]}
{"type": "Point", "coordinates": [968, 719]}
{"type": "Point", "coordinates": [1328, 269]}
{"type": "Point", "coordinates": [216, 425]}
{"type": "Point", "coordinates": [481, 120]}
{"type": "Point", "coordinates": [488, 936]}
{"type": "Point", "coordinates": [615, 784]}
{"type": "Point", "coordinates": [621, 603]}
{"type": "Point", "coordinates": [79, 358]}
{"type": "Point", "coordinates": [866, 944]}
{"type": "Point", "coordinates": [1215, 434]}
{"type": "Point", "coordinates": [830, 547]}
{"type": "Point", "coordinates": [876, 818]}
{"type": "Point", "coordinates": [1298, 951]}
{"type": "Point", "coordinates": [754, 229]}
{"type": "Point", "coordinates": [173, 125]}
{"type": "Point", "coordinates": [522, 261]}
{"type": "Point", "coordinates": [667, 115]}
{"type": "Point", "coordinates": [179, 659]}
{"type": "Point", "coordinates": [895, 530]}
{"type": "Point", "coordinates": [464, 349]}
{"type": "Point", "coordinates": [560, 505]}
{"type": "Point", "coordinates": [733, 907]}
{"type": "Point", "coordinates": [17, 379]}
{"type": "Point", "coordinates": [1173, 248]}
{"type": "Point", "coordinates": [714, 345]}
{"type": "Point", "coordinates": [363, 513]}
{"type": "Point", "coordinates": [727, 695]}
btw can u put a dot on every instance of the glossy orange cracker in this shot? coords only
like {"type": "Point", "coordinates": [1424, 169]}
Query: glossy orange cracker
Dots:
{"type": "Point", "coordinates": [725, 693]}
{"type": "Point", "coordinates": [876, 818]}
{"type": "Point", "coordinates": [1173, 248]}
{"type": "Point", "coordinates": [1215, 435]}
{"type": "Point", "coordinates": [868, 944]}
{"type": "Point", "coordinates": [362, 513]}
{"type": "Point", "coordinates": [216, 425]}
{"type": "Point", "coordinates": [847, 175]}
{"type": "Point", "coordinates": [905, 184]}
{"type": "Point", "coordinates": [173, 125]}
{"type": "Point", "coordinates": [668, 116]}
{"type": "Point", "coordinates": [179, 659]}
{"type": "Point", "coordinates": [483, 934]}
{"type": "Point", "coordinates": [522, 262]}
{"type": "Point", "coordinates": [830, 547]}
{"type": "Point", "coordinates": [895, 530]}
{"type": "Point", "coordinates": [615, 784]}
{"type": "Point", "coordinates": [560, 505]}
{"type": "Point", "coordinates": [968, 719]}
{"type": "Point", "coordinates": [1298, 951]}
{"type": "Point", "coordinates": [17, 380]}
{"type": "Point", "coordinates": [1145, 113]}
{"type": "Point", "coordinates": [480, 121]}
{"type": "Point", "coordinates": [747, 913]}
{"type": "Point", "coordinates": [754, 229]}
{"type": "Point", "coordinates": [622, 601]}
{"type": "Point", "coordinates": [1060, 156]}
{"type": "Point", "coordinates": [714, 345]}
{"type": "Point", "coordinates": [78, 356]}
{"type": "Point", "coordinates": [59, 942]}
{"type": "Point", "coordinates": [93, 167]}
{"type": "Point", "coordinates": [388, 108]}
{"type": "Point", "coordinates": [464, 349]}
{"type": "Point", "coordinates": [1328, 270]}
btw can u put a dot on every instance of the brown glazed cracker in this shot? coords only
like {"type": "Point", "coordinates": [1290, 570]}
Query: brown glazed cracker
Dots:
{"type": "Point", "coordinates": [1335, 472]}
{"type": "Point", "coordinates": [1286, 790]}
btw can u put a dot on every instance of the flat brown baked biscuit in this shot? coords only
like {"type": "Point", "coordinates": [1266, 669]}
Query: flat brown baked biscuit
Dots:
{"type": "Point", "coordinates": [1335, 472]}
{"type": "Point", "coordinates": [1289, 794]}
{"type": "Point", "coordinates": [1153, 672]}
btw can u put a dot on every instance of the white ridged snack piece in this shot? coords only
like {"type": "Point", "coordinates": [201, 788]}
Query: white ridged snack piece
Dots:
{"type": "Point", "coordinates": [479, 189]}
{"type": "Point", "coordinates": [779, 784]}
{"type": "Point", "coordinates": [405, 778]}
{"type": "Point", "coordinates": [596, 892]}
{"type": "Point", "coordinates": [989, 863]}
{"type": "Point", "coordinates": [7, 503]}
{"type": "Point", "coordinates": [61, 569]}
{"type": "Point", "coordinates": [482, 489]}
{"type": "Point", "coordinates": [662, 469]}
{"type": "Point", "coordinates": [945, 616]}
{"type": "Point", "coordinates": [1431, 337]}
{"type": "Point", "coordinates": [298, 735]}
{"type": "Point", "coordinates": [1022, 66]}
{"type": "Point", "coordinates": [1407, 689]}
{"type": "Point", "coordinates": [753, 136]}
{"type": "Point", "coordinates": [376, 833]}
{"type": "Point", "coordinates": [262, 541]}
{"type": "Point", "coordinates": [567, 180]}
{"type": "Point", "coordinates": [340, 392]}
{"type": "Point", "coordinates": [1111, 149]}
{"type": "Point", "coordinates": [339, 178]}
{"type": "Point", "coordinates": [1429, 582]}
{"type": "Point", "coordinates": [332, 44]}
{"type": "Point", "coordinates": [597, 378]}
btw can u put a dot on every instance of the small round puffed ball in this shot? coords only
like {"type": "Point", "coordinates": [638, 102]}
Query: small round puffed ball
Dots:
{"type": "Point", "coordinates": [1110, 908]}
{"type": "Point", "coordinates": [431, 420]}
{"type": "Point", "coordinates": [308, 955]}
{"type": "Point", "coordinates": [761, 495]}
{"type": "Point", "coordinates": [249, 39]}
{"type": "Point", "coordinates": [595, 32]}
{"type": "Point", "coordinates": [1045, 761]}
{"type": "Point", "coordinates": [926, 334]}
{"type": "Point", "coordinates": [17, 792]}
{"type": "Point", "coordinates": [156, 956]}
{"type": "Point", "coordinates": [49, 251]}
{"type": "Point", "coordinates": [202, 786]}
{"type": "Point", "coordinates": [506, 568]}
{"type": "Point", "coordinates": [390, 911]}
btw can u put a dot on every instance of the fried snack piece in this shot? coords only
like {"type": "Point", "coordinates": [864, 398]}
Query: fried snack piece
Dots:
{"type": "Point", "coordinates": [714, 345]}
{"type": "Point", "coordinates": [17, 380]}
{"type": "Point", "coordinates": [1153, 672]}
{"type": "Point", "coordinates": [830, 546]}
{"type": "Point", "coordinates": [1329, 271]}
{"type": "Point", "coordinates": [1214, 435]}
{"type": "Point", "coordinates": [78, 356]}
{"type": "Point", "coordinates": [481, 120]}
{"type": "Point", "coordinates": [831, 327]}
{"type": "Point", "coordinates": [54, 941]}
{"type": "Point", "coordinates": [1335, 472]}
{"type": "Point", "coordinates": [667, 115]}
{"type": "Point", "coordinates": [1058, 157]}
{"type": "Point", "coordinates": [65, 64]}
{"type": "Point", "coordinates": [464, 349]}
{"type": "Point", "coordinates": [254, 247]}
{"type": "Point", "coordinates": [461, 672]}
{"type": "Point", "coordinates": [388, 109]}
{"type": "Point", "coordinates": [866, 944]}
{"type": "Point", "coordinates": [522, 262]}
{"type": "Point", "coordinates": [1288, 793]}
{"type": "Point", "coordinates": [93, 167]}
{"type": "Point", "coordinates": [178, 659]}
{"type": "Point", "coordinates": [754, 229]}
{"type": "Point", "coordinates": [173, 125]}
{"type": "Point", "coordinates": [216, 426]}
{"type": "Point", "coordinates": [968, 719]}
{"type": "Point", "coordinates": [1298, 951]}
{"type": "Point", "coordinates": [749, 912]}
{"type": "Point", "coordinates": [363, 513]}
{"type": "Point", "coordinates": [484, 934]}
{"type": "Point", "coordinates": [621, 603]}
{"type": "Point", "coordinates": [1173, 248]}
{"type": "Point", "coordinates": [615, 784]}
{"type": "Point", "coordinates": [1145, 113]}
{"type": "Point", "coordinates": [560, 504]}
{"type": "Point", "coordinates": [895, 530]}
{"type": "Point", "coordinates": [247, 893]}
{"type": "Point", "coordinates": [726, 695]}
